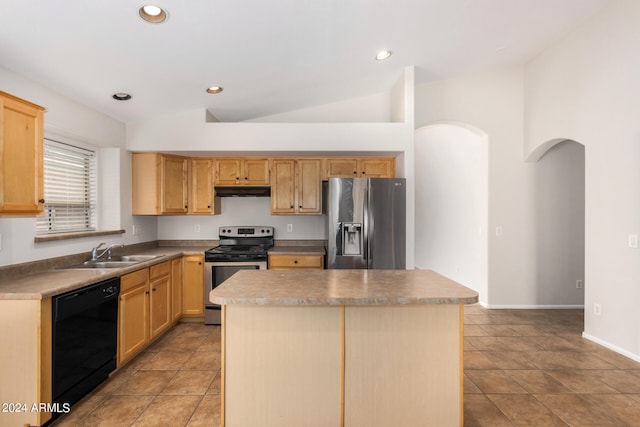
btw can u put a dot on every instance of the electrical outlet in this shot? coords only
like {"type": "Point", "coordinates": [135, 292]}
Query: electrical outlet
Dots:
{"type": "Point", "coordinates": [196, 228]}
{"type": "Point", "coordinates": [498, 231]}
{"type": "Point", "coordinates": [289, 228]}
{"type": "Point", "coordinates": [579, 284]}
{"type": "Point", "coordinates": [0, 242]}
{"type": "Point", "coordinates": [136, 229]}
{"type": "Point", "coordinates": [632, 241]}
{"type": "Point", "coordinates": [597, 309]}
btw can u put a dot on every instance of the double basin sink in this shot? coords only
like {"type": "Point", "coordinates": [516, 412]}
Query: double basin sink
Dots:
{"type": "Point", "coordinates": [116, 261]}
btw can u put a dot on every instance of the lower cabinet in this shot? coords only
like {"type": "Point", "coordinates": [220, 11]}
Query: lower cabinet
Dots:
{"type": "Point", "coordinates": [145, 309]}
{"type": "Point", "coordinates": [193, 286]}
{"type": "Point", "coordinates": [288, 262]}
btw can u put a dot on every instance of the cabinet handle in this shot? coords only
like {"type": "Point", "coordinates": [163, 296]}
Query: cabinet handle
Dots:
{"type": "Point", "coordinates": [355, 173]}
{"type": "Point", "coordinates": [291, 206]}
{"type": "Point", "coordinates": [295, 261]}
{"type": "Point", "coordinates": [154, 289]}
{"type": "Point", "coordinates": [147, 292]}
{"type": "Point", "coordinates": [208, 206]}
{"type": "Point", "coordinates": [300, 207]}
{"type": "Point", "coordinates": [41, 201]}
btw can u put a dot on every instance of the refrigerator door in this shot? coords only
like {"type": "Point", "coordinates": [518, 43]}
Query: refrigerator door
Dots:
{"type": "Point", "coordinates": [346, 238]}
{"type": "Point", "coordinates": [386, 223]}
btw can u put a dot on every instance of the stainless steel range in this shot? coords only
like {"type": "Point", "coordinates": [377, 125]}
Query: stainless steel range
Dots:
{"type": "Point", "coordinates": [240, 248]}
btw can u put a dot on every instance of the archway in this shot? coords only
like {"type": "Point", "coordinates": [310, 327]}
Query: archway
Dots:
{"type": "Point", "coordinates": [451, 200]}
{"type": "Point", "coordinates": [560, 210]}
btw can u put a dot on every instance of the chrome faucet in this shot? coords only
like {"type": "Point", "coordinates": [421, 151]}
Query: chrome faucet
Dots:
{"type": "Point", "coordinates": [96, 256]}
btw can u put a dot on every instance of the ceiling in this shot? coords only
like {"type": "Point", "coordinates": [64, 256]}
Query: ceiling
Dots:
{"type": "Point", "coordinates": [270, 57]}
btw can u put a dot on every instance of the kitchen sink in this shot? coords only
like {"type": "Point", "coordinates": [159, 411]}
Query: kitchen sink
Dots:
{"type": "Point", "coordinates": [115, 261]}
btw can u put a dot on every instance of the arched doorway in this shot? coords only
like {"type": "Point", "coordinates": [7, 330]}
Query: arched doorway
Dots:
{"type": "Point", "coordinates": [451, 199]}
{"type": "Point", "coordinates": [560, 210]}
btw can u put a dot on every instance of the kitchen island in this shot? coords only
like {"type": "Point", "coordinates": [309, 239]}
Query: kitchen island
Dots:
{"type": "Point", "coordinates": [342, 348]}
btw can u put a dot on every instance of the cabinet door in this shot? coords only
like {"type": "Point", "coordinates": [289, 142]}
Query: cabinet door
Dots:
{"type": "Point", "coordinates": [308, 186]}
{"type": "Point", "coordinates": [160, 298]}
{"type": "Point", "coordinates": [193, 286]}
{"type": "Point", "coordinates": [174, 184]}
{"type": "Point", "coordinates": [342, 168]}
{"type": "Point", "coordinates": [133, 326]}
{"type": "Point", "coordinates": [201, 195]}
{"type": "Point", "coordinates": [283, 187]}
{"type": "Point", "coordinates": [377, 168]}
{"type": "Point", "coordinates": [176, 289]}
{"type": "Point", "coordinates": [256, 172]}
{"type": "Point", "coordinates": [21, 156]}
{"type": "Point", "coordinates": [228, 171]}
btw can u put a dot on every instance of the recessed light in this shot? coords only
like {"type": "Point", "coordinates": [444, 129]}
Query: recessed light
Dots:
{"type": "Point", "coordinates": [383, 54]}
{"type": "Point", "coordinates": [153, 14]}
{"type": "Point", "coordinates": [121, 96]}
{"type": "Point", "coordinates": [215, 89]}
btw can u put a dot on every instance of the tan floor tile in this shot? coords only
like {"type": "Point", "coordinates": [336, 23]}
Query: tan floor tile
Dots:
{"type": "Point", "coordinates": [518, 344]}
{"type": "Point", "coordinates": [80, 411]}
{"type": "Point", "coordinates": [567, 360]}
{"type": "Point", "coordinates": [622, 381]}
{"type": "Point", "coordinates": [203, 360]}
{"type": "Point", "coordinates": [179, 343]}
{"type": "Point", "coordinates": [118, 411]}
{"type": "Point", "coordinates": [479, 411]}
{"type": "Point", "coordinates": [470, 387]}
{"type": "Point", "coordinates": [494, 381]}
{"type": "Point", "coordinates": [148, 383]}
{"type": "Point", "coordinates": [486, 343]}
{"type": "Point", "coordinates": [510, 359]}
{"type": "Point", "coordinates": [524, 410]}
{"type": "Point", "coordinates": [499, 330]}
{"type": "Point", "coordinates": [215, 387]}
{"type": "Point", "coordinates": [537, 381]}
{"type": "Point", "coordinates": [580, 381]}
{"type": "Point", "coordinates": [189, 382]}
{"type": "Point", "coordinates": [166, 360]}
{"type": "Point", "coordinates": [553, 343]}
{"type": "Point", "coordinates": [620, 406]}
{"type": "Point", "coordinates": [474, 331]}
{"type": "Point", "coordinates": [114, 382]}
{"type": "Point", "coordinates": [477, 360]}
{"type": "Point", "coordinates": [169, 411]}
{"type": "Point", "coordinates": [211, 343]}
{"type": "Point", "coordinates": [208, 412]}
{"type": "Point", "coordinates": [617, 360]}
{"type": "Point", "coordinates": [577, 410]}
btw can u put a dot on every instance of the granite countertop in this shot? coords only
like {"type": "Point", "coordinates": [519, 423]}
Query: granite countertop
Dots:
{"type": "Point", "coordinates": [57, 281]}
{"type": "Point", "coordinates": [297, 250]}
{"type": "Point", "coordinates": [340, 287]}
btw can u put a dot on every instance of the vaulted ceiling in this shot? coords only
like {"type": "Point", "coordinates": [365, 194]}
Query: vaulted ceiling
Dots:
{"type": "Point", "coordinates": [270, 57]}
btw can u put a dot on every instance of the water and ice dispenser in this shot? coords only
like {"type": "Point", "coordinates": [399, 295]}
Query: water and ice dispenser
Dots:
{"type": "Point", "coordinates": [351, 238]}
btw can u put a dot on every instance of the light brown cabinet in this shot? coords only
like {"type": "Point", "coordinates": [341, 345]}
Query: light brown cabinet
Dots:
{"type": "Point", "coordinates": [242, 171]}
{"type": "Point", "coordinates": [201, 199]}
{"type": "Point", "coordinates": [289, 262]}
{"type": "Point", "coordinates": [193, 286]}
{"type": "Point", "coordinates": [361, 167]}
{"type": "Point", "coordinates": [21, 156]}
{"type": "Point", "coordinates": [133, 314]}
{"type": "Point", "coordinates": [296, 186]}
{"type": "Point", "coordinates": [144, 310]}
{"type": "Point", "coordinates": [160, 184]}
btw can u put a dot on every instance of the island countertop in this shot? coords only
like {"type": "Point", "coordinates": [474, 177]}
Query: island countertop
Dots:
{"type": "Point", "coordinates": [340, 287]}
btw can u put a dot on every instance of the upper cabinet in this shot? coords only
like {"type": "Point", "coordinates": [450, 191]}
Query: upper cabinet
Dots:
{"type": "Point", "coordinates": [201, 200]}
{"type": "Point", "coordinates": [21, 156]}
{"type": "Point", "coordinates": [361, 167]}
{"type": "Point", "coordinates": [296, 186]}
{"type": "Point", "coordinates": [242, 171]}
{"type": "Point", "coordinates": [160, 184]}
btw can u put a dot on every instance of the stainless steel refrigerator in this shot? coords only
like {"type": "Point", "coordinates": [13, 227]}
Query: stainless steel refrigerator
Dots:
{"type": "Point", "coordinates": [366, 223]}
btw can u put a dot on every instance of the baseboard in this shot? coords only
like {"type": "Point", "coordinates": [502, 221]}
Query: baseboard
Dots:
{"type": "Point", "coordinates": [533, 307]}
{"type": "Point", "coordinates": [611, 347]}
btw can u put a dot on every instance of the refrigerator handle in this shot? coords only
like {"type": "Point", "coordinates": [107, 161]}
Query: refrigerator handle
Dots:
{"type": "Point", "coordinates": [367, 235]}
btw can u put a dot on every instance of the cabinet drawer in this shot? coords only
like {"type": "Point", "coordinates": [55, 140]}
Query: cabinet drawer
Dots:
{"type": "Point", "coordinates": [133, 280]}
{"type": "Point", "coordinates": [160, 270]}
{"type": "Point", "coordinates": [296, 261]}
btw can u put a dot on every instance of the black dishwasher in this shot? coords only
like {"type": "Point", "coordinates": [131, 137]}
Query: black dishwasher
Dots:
{"type": "Point", "coordinates": [84, 338]}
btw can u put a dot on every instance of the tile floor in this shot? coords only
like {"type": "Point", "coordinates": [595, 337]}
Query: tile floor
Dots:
{"type": "Point", "coordinates": [523, 368]}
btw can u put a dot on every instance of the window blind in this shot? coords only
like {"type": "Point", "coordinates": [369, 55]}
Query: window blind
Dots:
{"type": "Point", "coordinates": [69, 189]}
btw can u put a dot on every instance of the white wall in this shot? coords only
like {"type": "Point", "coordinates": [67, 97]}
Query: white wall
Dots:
{"type": "Point", "coordinates": [493, 103]}
{"type": "Point", "coordinates": [242, 211]}
{"type": "Point", "coordinates": [560, 225]}
{"type": "Point", "coordinates": [452, 203]}
{"type": "Point", "coordinates": [586, 89]}
{"type": "Point", "coordinates": [67, 120]}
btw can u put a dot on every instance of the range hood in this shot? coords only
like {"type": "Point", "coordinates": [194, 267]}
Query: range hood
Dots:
{"type": "Point", "coordinates": [242, 191]}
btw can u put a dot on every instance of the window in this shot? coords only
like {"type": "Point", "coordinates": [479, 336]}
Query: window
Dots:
{"type": "Point", "coordinates": [69, 189]}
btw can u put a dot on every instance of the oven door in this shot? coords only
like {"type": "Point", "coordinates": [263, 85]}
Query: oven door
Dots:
{"type": "Point", "coordinates": [217, 272]}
